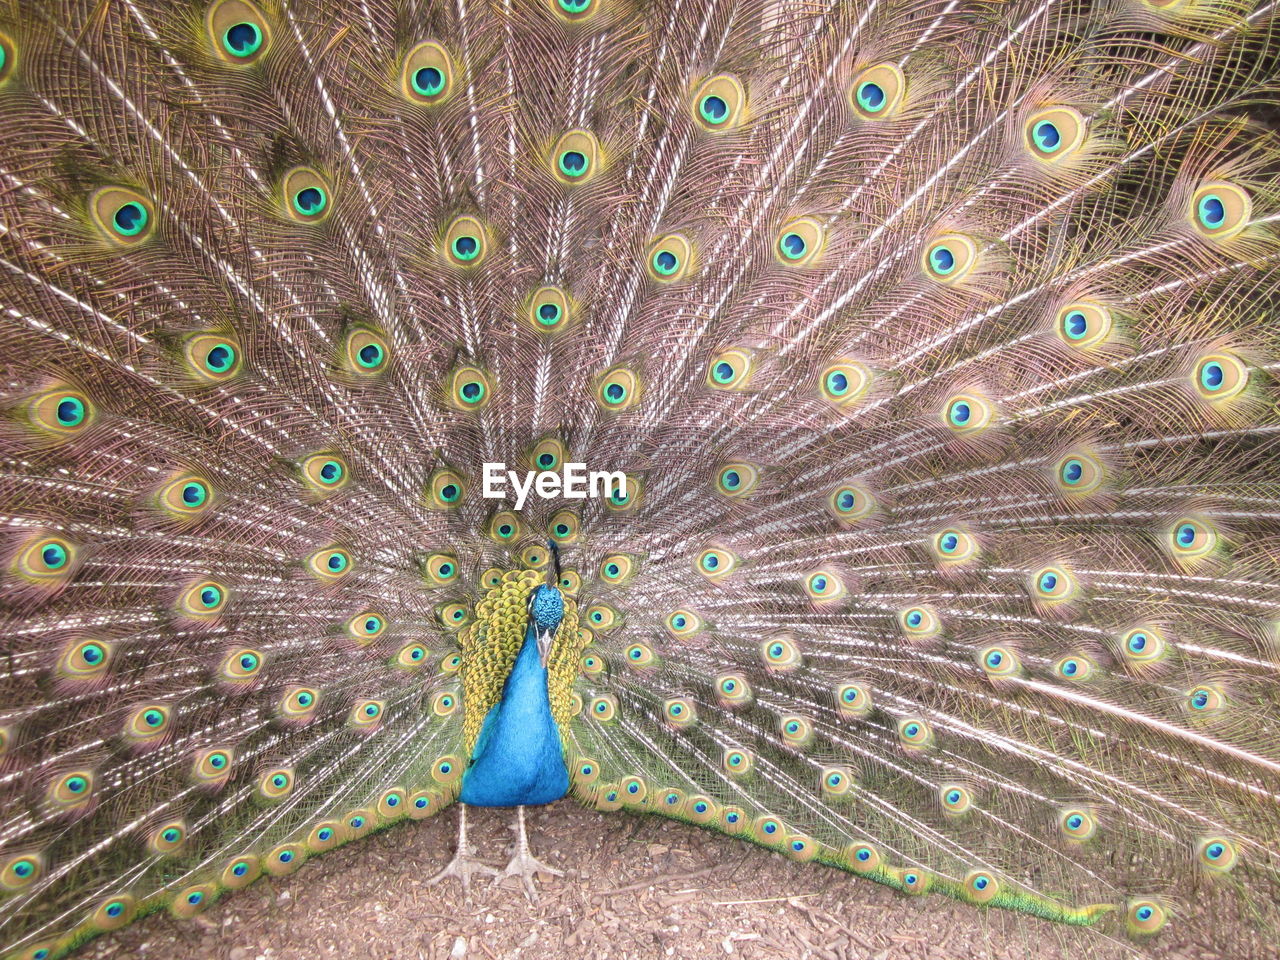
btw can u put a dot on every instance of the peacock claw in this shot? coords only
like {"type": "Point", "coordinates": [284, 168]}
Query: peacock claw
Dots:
{"type": "Point", "coordinates": [464, 864]}
{"type": "Point", "coordinates": [524, 864]}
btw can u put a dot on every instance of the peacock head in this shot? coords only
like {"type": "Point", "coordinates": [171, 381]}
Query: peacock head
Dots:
{"type": "Point", "coordinates": [546, 609]}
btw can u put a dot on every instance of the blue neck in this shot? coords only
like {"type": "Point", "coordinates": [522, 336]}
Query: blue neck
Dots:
{"type": "Point", "coordinates": [518, 757]}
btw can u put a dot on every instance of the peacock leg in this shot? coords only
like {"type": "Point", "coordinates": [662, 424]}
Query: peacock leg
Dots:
{"type": "Point", "coordinates": [464, 864]}
{"type": "Point", "coordinates": [523, 863]}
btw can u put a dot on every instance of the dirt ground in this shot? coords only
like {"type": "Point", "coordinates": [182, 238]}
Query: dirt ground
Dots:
{"type": "Point", "coordinates": [635, 888]}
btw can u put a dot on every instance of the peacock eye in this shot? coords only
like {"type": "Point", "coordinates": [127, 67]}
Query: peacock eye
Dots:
{"type": "Point", "coordinates": [1219, 211]}
{"type": "Point", "coordinates": [574, 9]}
{"type": "Point", "coordinates": [310, 201]}
{"type": "Point", "coordinates": [999, 661]}
{"type": "Point", "coordinates": [124, 217]}
{"type": "Point", "coordinates": [8, 56]}
{"type": "Point", "coordinates": [428, 82]}
{"type": "Point", "coordinates": [968, 413]}
{"type": "Point", "coordinates": [871, 97]}
{"type": "Point", "coordinates": [1082, 324]}
{"type": "Point", "coordinates": [730, 369]}
{"type": "Point", "coordinates": [950, 258]}
{"type": "Point", "coordinates": [719, 103]}
{"type": "Point", "coordinates": [238, 30]}
{"type": "Point", "coordinates": [800, 242]}
{"type": "Point", "coordinates": [427, 75]}
{"type": "Point", "coordinates": [469, 388]}
{"type": "Point", "coordinates": [618, 389]}
{"type": "Point", "coordinates": [669, 257]}
{"type": "Point", "coordinates": [1219, 377]}
{"type": "Point", "coordinates": [877, 91]}
{"type": "Point", "coordinates": [844, 383]}
{"type": "Point", "coordinates": [1054, 134]}
{"type": "Point", "coordinates": [465, 244]}
{"type": "Point", "coordinates": [737, 479]}
{"type": "Point", "coordinates": [307, 195]}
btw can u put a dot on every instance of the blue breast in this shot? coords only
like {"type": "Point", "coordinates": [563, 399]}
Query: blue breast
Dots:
{"type": "Point", "coordinates": [518, 759]}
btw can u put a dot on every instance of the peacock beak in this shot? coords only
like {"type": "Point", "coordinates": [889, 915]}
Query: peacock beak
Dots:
{"type": "Point", "coordinates": [544, 646]}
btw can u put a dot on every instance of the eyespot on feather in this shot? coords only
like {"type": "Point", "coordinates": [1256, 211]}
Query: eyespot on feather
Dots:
{"type": "Point", "coordinates": [800, 242]}
{"type": "Point", "coordinates": [954, 547]}
{"type": "Point", "coordinates": [8, 58]}
{"type": "Point", "coordinates": [563, 526]}
{"type": "Point", "coordinates": [203, 600]}
{"type": "Point", "coordinates": [445, 489]}
{"type": "Point", "coordinates": [123, 217]}
{"type": "Point", "coordinates": [683, 623]}
{"type": "Point", "coordinates": [737, 480]}
{"type": "Point", "coordinates": [60, 412]}
{"type": "Point", "coordinates": [308, 197]}
{"type": "Point", "coordinates": [440, 569]}
{"type": "Point", "coordinates": [877, 92]}
{"type": "Point", "coordinates": [84, 659]}
{"type": "Point", "coordinates": [575, 158]}
{"type": "Point", "coordinates": [212, 766]}
{"type": "Point", "coordinates": [275, 784]}
{"type": "Point", "coordinates": [427, 77]}
{"type": "Point", "coordinates": [1082, 324]}
{"type": "Point", "coordinates": [628, 498]}
{"type": "Point", "coordinates": [465, 243]}
{"type": "Point", "coordinates": [1053, 134]}
{"type": "Point", "coordinates": [574, 11]}
{"type": "Point", "coordinates": [854, 700]}
{"type": "Point", "coordinates": [1219, 211]}
{"type": "Point", "coordinates": [1077, 824]}
{"type": "Point", "coordinates": [670, 258]}
{"type": "Point", "coordinates": [719, 103]}
{"type": "Point", "coordinates": [366, 627]}
{"type": "Point", "coordinates": [1218, 377]}
{"type": "Point", "coordinates": [505, 527]}
{"type": "Point", "coordinates": [114, 912]}
{"type": "Point", "coordinates": [617, 568]}
{"type": "Point", "coordinates": [213, 357]}
{"type": "Point", "coordinates": [45, 560]}
{"type": "Point", "coordinates": [715, 563]}
{"type": "Point", "coordinates": [146, 724]}
{"type": "Point", "coordinates": [967, 414]}
{"type": "Point", "coordinates": [239, 33]}
{"type": "Point", "coordinates": [470, 388]}
{"type": "Point", "coordinates": [780, 655]}
{"type": "Point", "coordinates": [242, 665]}
{"type": "Point", "coordinates": [844, 383]}
{"type": "Point", "coordinates": [549, 310]}
{"type": "Point", "coordinates": [324, 473]}
{"type": "Point", "coordinates": [1078, 474]}
{"type": "Point", "coordinates": [731, 369]}
{"type": "Point", "coordinates": [1053, 585]}
{"type": "Point", "coordinates": [824, 587]}
{"type": "Point", "coordinates": [850, 503]}
{"type": "Point", "coordinates": [365, 353]}
{"type": "Point", "coordinates": [919, 623]}
{"type": "Point", "coordinates": [950, 258]}
{"type": "Point", "coordinates": [618, 389]}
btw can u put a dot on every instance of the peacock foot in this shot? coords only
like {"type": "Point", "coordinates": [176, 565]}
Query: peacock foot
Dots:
{"type": "Point", "coordinates": [464, 864]}
{"type": "Point", "coordinates": [523, 863]}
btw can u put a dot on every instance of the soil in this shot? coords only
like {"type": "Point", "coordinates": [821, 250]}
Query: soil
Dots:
{"type": "Point", "coordinates": [634, 888]}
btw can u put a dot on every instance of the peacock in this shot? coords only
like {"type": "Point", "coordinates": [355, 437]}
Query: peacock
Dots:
{"type": "Point", "coordinates": [919, 357]}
